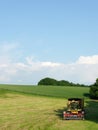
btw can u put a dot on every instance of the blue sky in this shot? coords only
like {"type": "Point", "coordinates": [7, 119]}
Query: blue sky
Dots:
{"type": "Point", "coordinates": [53, 35]}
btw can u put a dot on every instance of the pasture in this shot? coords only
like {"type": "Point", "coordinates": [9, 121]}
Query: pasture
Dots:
{"type": "Point", "coordinates": [42, 110]}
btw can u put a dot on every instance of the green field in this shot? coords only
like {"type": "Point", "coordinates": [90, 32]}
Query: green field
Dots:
{"type": "Point", "coordinates": [41, 107]}
{"type": "Point", "coordinates": [52, 91]}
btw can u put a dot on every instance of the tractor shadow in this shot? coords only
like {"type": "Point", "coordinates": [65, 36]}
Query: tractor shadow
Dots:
{"type": "Point", "coordinates": [59, 113]}
{"type": "Point", "coordinates": [91, 111]}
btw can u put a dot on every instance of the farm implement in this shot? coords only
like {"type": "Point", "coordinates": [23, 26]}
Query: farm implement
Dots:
{"type": "Point", "coordinates": [74, 110]}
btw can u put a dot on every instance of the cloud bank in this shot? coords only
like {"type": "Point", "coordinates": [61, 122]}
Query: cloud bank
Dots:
{"type": "Point", "coordinates": [88, 59]}
{"type": "Point", "coordinates": [30, 71]}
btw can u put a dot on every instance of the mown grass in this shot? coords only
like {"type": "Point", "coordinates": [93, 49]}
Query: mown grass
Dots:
{"type": "Point", "coordinates": [25, 112]}
{"type": "Point", "coordinates": [41, 108]}
{"type": "Point", "coordinates": [52, 91]}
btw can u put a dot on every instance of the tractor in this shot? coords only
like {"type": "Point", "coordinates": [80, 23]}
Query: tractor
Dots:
{"type": "Point", "coordinates": [74, 110]}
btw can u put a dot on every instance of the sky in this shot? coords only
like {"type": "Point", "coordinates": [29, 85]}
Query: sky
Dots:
{"type": "Point", "coordinates": [48, 38]}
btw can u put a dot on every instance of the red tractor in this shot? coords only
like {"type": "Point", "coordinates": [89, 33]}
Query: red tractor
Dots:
{"type": "Point", "coordinates": [75, 109]}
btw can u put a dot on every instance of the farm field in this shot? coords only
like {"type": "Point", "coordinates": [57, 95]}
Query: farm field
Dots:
{"type": "Point", "coordinates": [19, 111]}
{"type": "Point", "coordinates": [52, 91]}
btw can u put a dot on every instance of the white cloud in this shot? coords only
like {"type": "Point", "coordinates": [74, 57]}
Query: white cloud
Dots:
{"type": "Point", "coordinates": [50, 64]}
{"type": "Point", "coordinates": [88, 59]}
{"type": "Point", "coordinates": [84, 70]}
{"type": "Point", "coordinates": [3, 66]}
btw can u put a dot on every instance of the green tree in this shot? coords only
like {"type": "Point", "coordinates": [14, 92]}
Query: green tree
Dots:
{"type": "Point", "coordinates": [47, 81]}
{"type": "Point", "coordinates": [94, 90]}
{"type": "Point", "coordinates": [97, 82]}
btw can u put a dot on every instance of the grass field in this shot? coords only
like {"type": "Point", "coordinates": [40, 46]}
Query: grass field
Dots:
{"type": "Point", "coordinates": [19, 111]}
{"type": "Point", "coordinates": [52, 91]}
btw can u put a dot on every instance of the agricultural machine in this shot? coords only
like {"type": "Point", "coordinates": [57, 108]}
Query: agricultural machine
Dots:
{"type": "Point", "coordinates": [74, 110]}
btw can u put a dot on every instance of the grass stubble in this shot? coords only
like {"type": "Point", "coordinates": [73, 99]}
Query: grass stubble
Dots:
{"type": "Point", "coordinates": [29, 112]}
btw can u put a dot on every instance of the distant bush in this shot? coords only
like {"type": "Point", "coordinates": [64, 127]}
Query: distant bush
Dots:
{"type": "Point", "coordinates": [47, 81]}
{"type": "Point", "coordinates": [94, 90]}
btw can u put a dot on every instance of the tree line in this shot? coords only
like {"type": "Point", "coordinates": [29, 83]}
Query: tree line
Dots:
{"type": "Point", "coordinates": [54, 82]}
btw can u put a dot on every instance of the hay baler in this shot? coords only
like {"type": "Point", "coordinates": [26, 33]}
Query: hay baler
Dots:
{"type": "Point", "coordinates": [75, 109]}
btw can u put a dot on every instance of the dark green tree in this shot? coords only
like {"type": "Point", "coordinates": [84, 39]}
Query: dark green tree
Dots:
{"type": "Point", "coordinates": [97, 82]}
{"type": "Point", "coordinates": [47, 81]}
{"type": "Point", "coordinates": [94, 90]}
